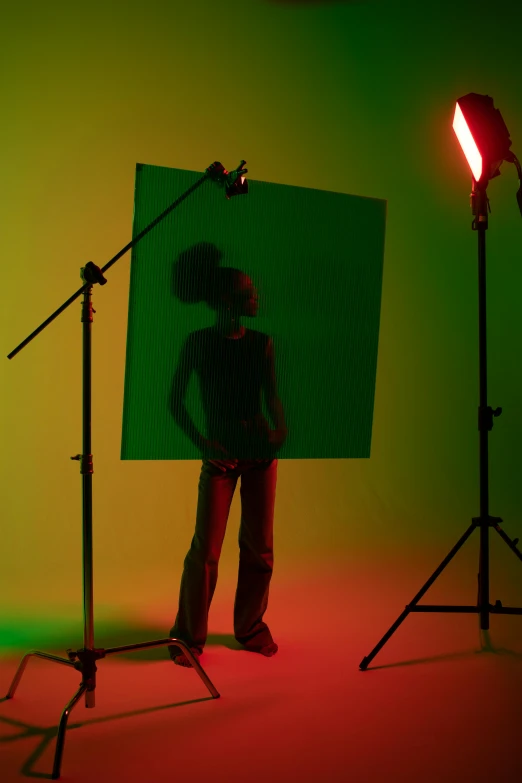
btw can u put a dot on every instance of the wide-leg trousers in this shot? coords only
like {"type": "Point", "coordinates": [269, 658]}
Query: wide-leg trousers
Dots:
{"type": "Point", "coordinates": [198, 582]}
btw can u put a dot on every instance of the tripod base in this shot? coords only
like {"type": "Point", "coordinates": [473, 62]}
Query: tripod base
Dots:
{"type": "Point", "coordinates": [483, 607]}
{"type": "Point", "coordinates": [84, 660]}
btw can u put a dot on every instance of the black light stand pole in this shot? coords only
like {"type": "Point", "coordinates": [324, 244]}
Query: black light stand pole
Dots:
{"type": "Point", "coordinates": [480, 205]}
{"type": "Point", "coordinates": [84, 660]}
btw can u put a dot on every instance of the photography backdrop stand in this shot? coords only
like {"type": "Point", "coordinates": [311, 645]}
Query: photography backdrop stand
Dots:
{"type": "Point", "coordinates": [486, 414]}
{"type": "Point", "coordinates": [84, 660]}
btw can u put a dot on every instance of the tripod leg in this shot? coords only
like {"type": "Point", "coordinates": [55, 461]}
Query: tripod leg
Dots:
{"type": "Point", "coordinates": [365, 661]}
{"type": "Point", "coordinates": [23, 663]}
{"type": "Point", "coordinates": [511, 544]}
{"type": "Point", "coordinates": [61, 730]}
{"type": "Point", "coordinates": [170, 642]}
{"type": "Point", "coordinates": [18, 675]}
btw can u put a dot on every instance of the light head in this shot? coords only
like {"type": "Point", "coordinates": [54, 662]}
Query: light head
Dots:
{"type": "Point", "coordinates": [483, 136]}
{"type": "Point", "coordinates": [235, 182]}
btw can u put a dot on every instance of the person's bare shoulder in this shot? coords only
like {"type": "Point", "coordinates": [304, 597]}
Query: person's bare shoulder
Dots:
{"type": "Point", "coordinates": [256, 334]}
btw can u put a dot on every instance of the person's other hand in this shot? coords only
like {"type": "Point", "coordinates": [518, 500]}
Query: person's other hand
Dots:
{"type": "Point", "coordinates": [263, 440]}
{"type": "Point", "coordinates": [276, 438]}
{"type": "Point", "coordinates": [261, 426]}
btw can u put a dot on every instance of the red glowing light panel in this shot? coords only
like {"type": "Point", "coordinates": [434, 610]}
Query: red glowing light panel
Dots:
{"type": "Point", "coordinates": [467, 142]}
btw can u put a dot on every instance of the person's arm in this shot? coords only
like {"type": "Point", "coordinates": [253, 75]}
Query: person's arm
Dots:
{"type": "Point", "coordinates": [177, 396]}
{"type": "Point", "coordinates": [273, 403]}
{"type": "Point", "coordinates": [179, 409]}
{"type": "Point", "coordinates": [184, 422]}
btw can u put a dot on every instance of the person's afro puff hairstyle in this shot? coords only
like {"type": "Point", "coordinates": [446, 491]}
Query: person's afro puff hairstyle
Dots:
{"type": "Point", "coordinates": [199, 278]}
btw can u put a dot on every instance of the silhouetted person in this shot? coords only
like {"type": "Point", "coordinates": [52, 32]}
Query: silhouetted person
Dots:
{"type": "Point", "coordinates": [235, 367]}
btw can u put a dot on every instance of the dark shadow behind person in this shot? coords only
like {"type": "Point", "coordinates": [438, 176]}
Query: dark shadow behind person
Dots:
{"type": "Point", "coordinates": [235, 367]}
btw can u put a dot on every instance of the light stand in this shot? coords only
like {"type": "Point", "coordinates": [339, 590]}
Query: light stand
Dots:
{"type": "Point", "coordinates": [486, 414]}
{"type": "Point", "coordinates": [84, 659]}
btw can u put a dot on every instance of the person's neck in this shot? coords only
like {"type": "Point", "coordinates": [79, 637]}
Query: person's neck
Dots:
{"type": "Point", "coordinates": [231, 331]}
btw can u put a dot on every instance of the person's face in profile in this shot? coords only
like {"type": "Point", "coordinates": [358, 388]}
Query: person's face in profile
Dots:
{"type": "Point", "coordinates": [245, 297]}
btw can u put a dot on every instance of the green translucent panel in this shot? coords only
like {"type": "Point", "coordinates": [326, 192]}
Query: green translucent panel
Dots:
{"type": "Point", "coordinates": [316, 260]}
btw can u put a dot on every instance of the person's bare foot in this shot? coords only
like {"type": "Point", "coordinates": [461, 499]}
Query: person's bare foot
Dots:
{"type": "Point", "coordinates": [182, 660]}
{"type": "Point", "coordinates": [268, 650]}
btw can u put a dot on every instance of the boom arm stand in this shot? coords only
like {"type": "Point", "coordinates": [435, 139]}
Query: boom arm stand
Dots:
{"type": "Point", "coordinates": [84, 660]}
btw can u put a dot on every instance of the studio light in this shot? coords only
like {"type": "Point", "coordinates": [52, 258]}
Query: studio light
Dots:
{"type": "Point", "coordinates": [482, 134]}
{"type": "Point", "coordinates": [236, 185]}
{"type": "Point", "coordinates": [485, 141]}
{"type": "Point", "coordinates": [234, 182]}
{"type": "Point", "coordinates": [484, 138]}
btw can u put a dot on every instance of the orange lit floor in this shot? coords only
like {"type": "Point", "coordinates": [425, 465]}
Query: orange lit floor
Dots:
{"type": "Point", "coordinates": [432, 708]}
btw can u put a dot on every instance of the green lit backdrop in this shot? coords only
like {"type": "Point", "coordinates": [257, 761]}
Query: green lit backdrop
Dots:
{"type": "Point", "coordinates": [348, 98]}
{"type": "Point", "coordinates": [316, 259]}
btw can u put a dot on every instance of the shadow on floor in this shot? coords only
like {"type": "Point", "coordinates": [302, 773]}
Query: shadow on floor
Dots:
{"type": "Point", "coordinates": [48, 734]}
{"type": "Point", "coordinates": [56, 638]}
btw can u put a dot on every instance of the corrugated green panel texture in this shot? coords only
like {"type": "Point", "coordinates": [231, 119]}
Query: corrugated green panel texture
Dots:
{"type": "Point", "coordinates": [316, 259]}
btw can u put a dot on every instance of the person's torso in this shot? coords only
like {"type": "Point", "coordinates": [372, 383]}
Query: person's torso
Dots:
{"type": "Point", "coordinates": [231, 375]}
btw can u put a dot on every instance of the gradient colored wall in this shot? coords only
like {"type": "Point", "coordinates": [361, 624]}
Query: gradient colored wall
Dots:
{"type": "Point", "coordinates": [355, 98]}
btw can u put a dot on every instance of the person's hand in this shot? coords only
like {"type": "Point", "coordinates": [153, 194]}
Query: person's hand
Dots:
{"type": "Point", "coordinates": [264, 441]}
{"type": "Point", "coordinates": [276, 438]}
{"type": "Point", "coordinates": [217, 455]}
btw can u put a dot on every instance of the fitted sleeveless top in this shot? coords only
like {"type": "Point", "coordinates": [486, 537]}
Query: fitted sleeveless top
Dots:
{"type": "Point", "coordinates": [231, 374]}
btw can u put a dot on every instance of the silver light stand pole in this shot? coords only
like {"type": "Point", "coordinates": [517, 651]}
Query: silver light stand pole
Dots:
{"type": "Point", "coordinates": [84, 659]}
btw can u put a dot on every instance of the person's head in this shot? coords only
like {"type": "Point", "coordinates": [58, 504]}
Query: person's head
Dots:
{"type": "Point", "coordinates": [198, 277]}
{"type": "Point", "coordinates": [236, 294]}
